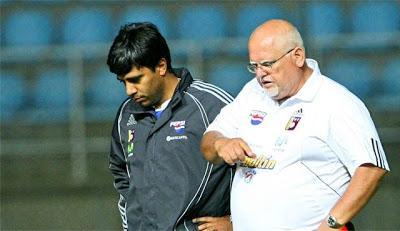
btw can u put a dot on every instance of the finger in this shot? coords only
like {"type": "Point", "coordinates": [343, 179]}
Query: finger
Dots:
{"type": "Point", "coordinates": [238, 153]}
{"type": "Point", "coordinates": [247, 149]}
{"type": "Point", "coordinates": [231, 157]}
{"type": "Point", "coordinates": [203, 227]}
{"type": "Point", "coordinates": [226, 157]}
{"type": "Point", "coordinates": [203, 219]}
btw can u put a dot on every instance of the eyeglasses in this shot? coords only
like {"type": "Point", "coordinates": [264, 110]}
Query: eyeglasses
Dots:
{"type": "Point", "coordinates": [252, 66]}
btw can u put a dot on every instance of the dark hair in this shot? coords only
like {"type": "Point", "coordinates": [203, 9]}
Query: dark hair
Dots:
{"type": "Point", "coordinates": [137, 45]}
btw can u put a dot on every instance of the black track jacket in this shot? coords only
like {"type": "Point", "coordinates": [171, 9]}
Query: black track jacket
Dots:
{"type": "Point", "coordinates": [160, 173]}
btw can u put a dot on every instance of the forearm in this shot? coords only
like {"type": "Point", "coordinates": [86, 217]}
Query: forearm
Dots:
{"type": "Point", "coordinates": [208, 146]}
{"type": "Point", "coordinates": [121, 179]}
{"type": "Point", "coordinates": [361, 188]}
{"type": "Point", "coordinates": [118, 168]}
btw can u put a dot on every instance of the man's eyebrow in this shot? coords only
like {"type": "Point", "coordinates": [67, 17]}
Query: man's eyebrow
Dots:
{"type": "Point", "coordinates": [129, 77]}
{"type": "Point", "coordinates": [261, 62]}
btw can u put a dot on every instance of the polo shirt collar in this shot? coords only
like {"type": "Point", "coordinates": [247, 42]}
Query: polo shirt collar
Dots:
{"type": "Point", "coordinates": [312, 84]}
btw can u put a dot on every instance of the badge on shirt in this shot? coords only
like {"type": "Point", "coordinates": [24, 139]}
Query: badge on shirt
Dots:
{"type": "Point", "coordinates": [247, 174]}
{"type": "Point", "coordinates": [131, 137]}
{"type": "Point", "coordinates": [294, 120]}
{"type": "Point", "coordinates": [257, 117]}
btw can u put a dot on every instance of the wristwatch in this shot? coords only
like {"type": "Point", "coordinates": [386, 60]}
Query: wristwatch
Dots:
{"type": "Point", "coordinates": [332, 222]}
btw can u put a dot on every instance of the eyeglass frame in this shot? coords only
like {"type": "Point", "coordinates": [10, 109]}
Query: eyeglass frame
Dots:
{"type": "Point", "coordinates": [265, 64]}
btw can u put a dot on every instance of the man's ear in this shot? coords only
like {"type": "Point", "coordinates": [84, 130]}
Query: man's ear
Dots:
{"type": "Point", "coordinates": [299, 56]}
{"type": "Point", "coordinates": [162, 67]}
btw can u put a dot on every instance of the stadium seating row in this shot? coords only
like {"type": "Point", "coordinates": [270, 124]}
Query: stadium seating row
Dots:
{"type": "Point", "coordinates": [197, 22]}
{"type": "Point", "coordinates": [103, 94]}
{"type": "Point", "coordinates": [323, 20]}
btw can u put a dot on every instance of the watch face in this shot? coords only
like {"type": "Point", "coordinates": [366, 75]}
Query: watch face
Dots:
{"type": "Point", "coordinates": [331, 222]}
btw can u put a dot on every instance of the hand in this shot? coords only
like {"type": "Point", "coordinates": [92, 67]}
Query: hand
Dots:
{"type": "Point", "coordinates": [232, 150]}
{"type": "Point", "coordinates": [214, 223]}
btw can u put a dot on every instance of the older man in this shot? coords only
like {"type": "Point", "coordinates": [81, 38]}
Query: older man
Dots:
{"type": "Point", "coordinates": [307, 151]}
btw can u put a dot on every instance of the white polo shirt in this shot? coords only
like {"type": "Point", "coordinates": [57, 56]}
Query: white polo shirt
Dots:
{"type": "Point", "coordinates": [312, 143]}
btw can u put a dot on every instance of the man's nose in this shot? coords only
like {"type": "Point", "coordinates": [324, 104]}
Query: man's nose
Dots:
{"type": "Point", "coordinates": [260, 72]}
{"type": "Point", "coordinates": [130, 89]}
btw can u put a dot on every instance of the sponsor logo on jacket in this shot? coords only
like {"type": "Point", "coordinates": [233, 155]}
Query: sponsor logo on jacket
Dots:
{"type": "Point", "coordinates": [179, 128]}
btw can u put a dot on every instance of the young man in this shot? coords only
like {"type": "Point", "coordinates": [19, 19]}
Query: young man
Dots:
{"type": "Point", "coordinates": [308, 152]}
{"type": "Point", "coordinates": [163, 179]}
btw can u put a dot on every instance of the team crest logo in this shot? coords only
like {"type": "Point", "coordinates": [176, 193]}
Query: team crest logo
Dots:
{"type": "Point", "coordinates": [294, 120]}
{"type": "Point", "coordinates": [257, 117]}
{"type": "Point", "coordinates": [179, 126]}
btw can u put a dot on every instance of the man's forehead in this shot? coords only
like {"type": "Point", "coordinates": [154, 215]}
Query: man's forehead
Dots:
{"type": "Point", "coordinates": [265, 51]}
{"type": "Point", "coordinates": [261, 55]}
{"type": "Point", "coordinates": [134, 72]}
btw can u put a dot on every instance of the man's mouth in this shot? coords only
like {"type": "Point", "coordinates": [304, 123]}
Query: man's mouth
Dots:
{"type": "Point", "coordinates": [138, 99]}
{"type": "Point", "coordinates": [266, 82]}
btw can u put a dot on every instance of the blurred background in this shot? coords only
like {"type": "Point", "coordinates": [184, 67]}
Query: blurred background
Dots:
{"type": "Point", "coordinates": [58, 100]}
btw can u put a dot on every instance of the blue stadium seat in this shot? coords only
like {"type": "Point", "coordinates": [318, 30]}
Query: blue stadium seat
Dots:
{"type": "Point", "coordinates": [249, 17]}
{"type": "Point", "coordinates": [154, 15]}
{"type": "Point", "coordinates": [202, 22]}
{"type": "Point", "coordinates": [388, 98]}
{"type": "Point", "coordinates": [86, 26]}
{"type": "Point", "coordinates": [28, 28]}
{"type": "Point", "coordinates": [373, 22]}
{"type": "Point", "coordinates": [103, 96]}
{"type": "Point", "coordinates": [230, 76]}
{"type": "Point", "coordinates": [13, 94]}
{"type": "Point", "coordinates": [324, 21]}
{"type": "Point", "coordinates": [355, 74]}
{"type": "Point", "coordinates": [391, 78]}
{"type": "Point", "coordinates": [376, 16]}
{"type": "Point", "coordinates": [252, 15]}
{"type": "Point", "coordinates": [51, 96]}
{"type": "Point", "coordinates": [5, 2]}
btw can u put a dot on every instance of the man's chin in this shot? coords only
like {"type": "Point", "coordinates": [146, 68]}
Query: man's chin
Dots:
{"type": "Point", "coordinates": [141, 101]}
{"type": "Point", "coordinates": [144, 104]}
{"type": "Point", "coordinates": [272, 92]}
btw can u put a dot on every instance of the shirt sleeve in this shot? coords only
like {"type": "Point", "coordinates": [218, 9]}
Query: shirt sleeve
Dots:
{"type": "Point", "coordinates": [228, 120]}
{"type": "Point", "coordinates": [353, 137]}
